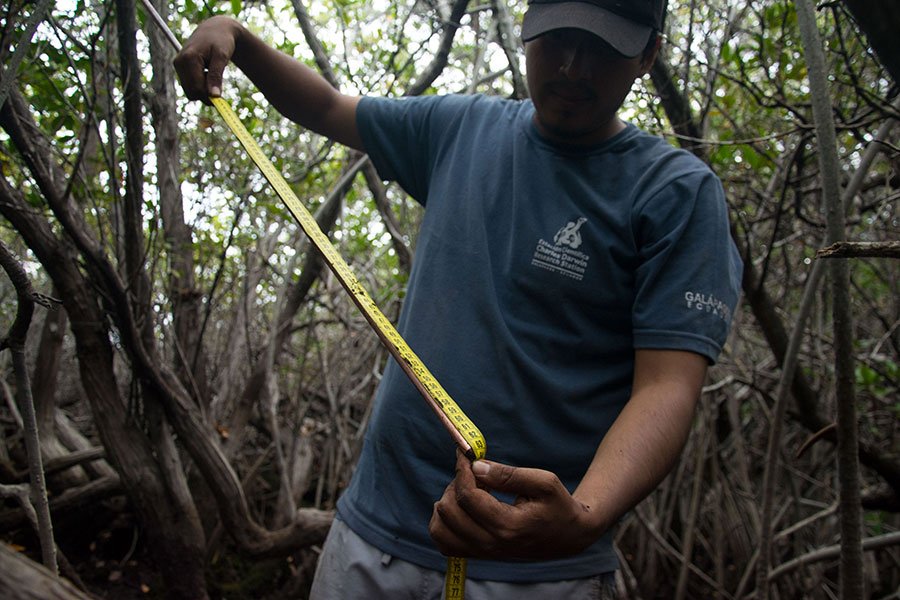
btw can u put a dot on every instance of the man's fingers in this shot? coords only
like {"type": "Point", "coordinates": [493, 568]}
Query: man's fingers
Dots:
{"type": "Point", "coordinates": [531, 483]}
{"type": "Point", "coordinates": [204, 56]}
{"type": "Point", "coordinates": [201, 77]}
{"type": "Point", "coordinates": [215, 69]}
{"type": "Point", "coordinates": [469, 521]}
{"type": "Point", "coordinates": [446, 540]}
{"type": "Point", "coordinates": [453, 530]}
{"type": "Point", "coordinates": [190, 68]}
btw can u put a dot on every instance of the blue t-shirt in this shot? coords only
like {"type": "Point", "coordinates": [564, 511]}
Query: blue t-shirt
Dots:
{"type": "Point", "coordinates": [538, 271]}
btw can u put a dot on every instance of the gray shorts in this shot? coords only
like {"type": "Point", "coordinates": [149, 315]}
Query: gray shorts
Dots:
{"type": "Point", "coordinates": [350, 568]}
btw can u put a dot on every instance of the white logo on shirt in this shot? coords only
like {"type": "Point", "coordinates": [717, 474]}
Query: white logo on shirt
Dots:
{"type": "Point", "coordinates": [707, 303]}
{"type": "Point", "coordinates": [562, 255]}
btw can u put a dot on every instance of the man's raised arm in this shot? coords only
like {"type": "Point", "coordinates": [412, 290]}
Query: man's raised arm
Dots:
{"type": "Point", "coordinates": [295, 90]}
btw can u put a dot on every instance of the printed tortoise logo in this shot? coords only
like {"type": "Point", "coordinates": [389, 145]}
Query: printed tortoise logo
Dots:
{"type": "Point", "coordinates": [563, 256]}
{"type": "Point", "coordinates": [569, 235]}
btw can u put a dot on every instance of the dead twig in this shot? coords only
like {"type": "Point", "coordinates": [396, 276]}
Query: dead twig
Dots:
{"type": "Point", "coordinates": [872, 543]}
{"type": "Point", "coordinates": [860, 250]}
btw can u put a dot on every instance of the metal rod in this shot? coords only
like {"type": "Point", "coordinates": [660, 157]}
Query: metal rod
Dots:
{"type": "Point", "coordinates": [162, 25]}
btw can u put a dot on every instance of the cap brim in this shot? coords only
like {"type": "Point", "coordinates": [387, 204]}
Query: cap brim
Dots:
{"type": "Point", "coordinates": [626, 36]}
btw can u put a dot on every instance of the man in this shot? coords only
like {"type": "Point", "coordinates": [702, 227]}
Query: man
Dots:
{"type": "Point", "coordinates": [573, 279]}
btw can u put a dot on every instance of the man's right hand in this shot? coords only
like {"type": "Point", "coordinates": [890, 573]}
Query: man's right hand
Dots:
{"type": "Point", "coordinates": [203, 57]}
{"type": "Point", "coordinates": [296, 91]}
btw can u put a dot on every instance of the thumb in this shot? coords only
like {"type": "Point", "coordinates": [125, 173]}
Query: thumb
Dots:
{"type": "Point", "coordinates": [520, 481]}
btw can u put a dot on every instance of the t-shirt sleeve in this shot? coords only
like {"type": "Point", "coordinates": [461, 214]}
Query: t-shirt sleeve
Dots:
{"type": "Point", "coordinates": [401, 135]}
{"type": "Point", "coordinates": [688, 280]}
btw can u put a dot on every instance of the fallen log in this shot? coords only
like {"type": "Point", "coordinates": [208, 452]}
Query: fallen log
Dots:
{"type": "Point", "coordinates": [24, 579]}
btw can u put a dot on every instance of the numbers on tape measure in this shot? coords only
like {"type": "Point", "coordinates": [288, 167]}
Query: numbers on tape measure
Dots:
{"type": "Point", "coordinates": [455, 579]}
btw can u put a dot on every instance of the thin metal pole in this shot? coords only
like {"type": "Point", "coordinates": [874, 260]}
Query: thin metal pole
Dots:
{"type": "Point", "coordinates": [162, 25]}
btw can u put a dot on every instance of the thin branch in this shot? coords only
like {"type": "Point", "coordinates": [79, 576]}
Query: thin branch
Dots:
{"type": "Point", "coordinates": [829, 552]}
{"type": "Point", "coordinates": [427, 77]}
{"type": "Point", "coordinates": [15, 341]}
{"type": "Point", "coordinates": [9, 75]}
{"type": "Point", "coordinates": [861, 250]}
{"type": "Point", "coordinates": [678, 556]}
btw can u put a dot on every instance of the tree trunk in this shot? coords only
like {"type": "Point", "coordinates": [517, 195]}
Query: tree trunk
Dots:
{"type": "Point", "coordinates": [186, 299]}
{"type": "Point", "coordinates": [880, 21]}
{"type": "Point", "coordinates": [851, 567]}
{"type": "Point", "coordinates": [44, 380]}
{"type": "Point", "coordinates": [128, 447]}
{"type": "Point", "coordinates": [23, 579]}
{"type": "Point", "coordinates": [168, 527]}
{"type": "Point", "coordinates": [177, 539]}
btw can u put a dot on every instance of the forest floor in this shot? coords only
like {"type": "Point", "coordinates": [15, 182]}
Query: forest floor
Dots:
{"type": "Point", "coordinates": [107, 551]}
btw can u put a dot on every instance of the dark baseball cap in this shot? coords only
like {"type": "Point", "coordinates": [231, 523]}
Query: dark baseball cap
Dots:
{"type": "Point", "coordinates": [625, 25]}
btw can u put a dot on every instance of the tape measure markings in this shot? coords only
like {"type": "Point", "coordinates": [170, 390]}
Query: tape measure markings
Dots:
{"type": "Point", "coordinates": [455, 579]}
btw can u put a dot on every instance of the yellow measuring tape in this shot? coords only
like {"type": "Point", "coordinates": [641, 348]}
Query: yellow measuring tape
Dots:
{"type": "Point", "coordinates": [461, 428]}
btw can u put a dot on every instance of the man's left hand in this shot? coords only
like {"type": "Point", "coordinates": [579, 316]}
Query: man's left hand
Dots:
{"type": "Point", "coordinates": [544, 522]}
